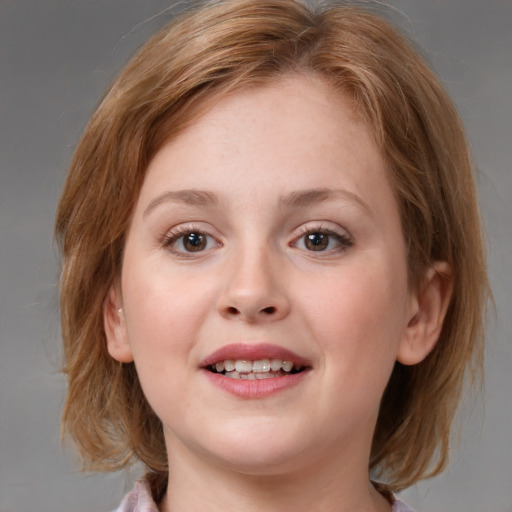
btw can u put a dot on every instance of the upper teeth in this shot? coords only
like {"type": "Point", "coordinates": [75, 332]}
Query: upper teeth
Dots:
{"type": "Point", "coordinates": [258, 366]}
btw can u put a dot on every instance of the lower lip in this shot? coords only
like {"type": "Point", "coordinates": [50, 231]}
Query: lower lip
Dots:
{"type": "Point", "coordinates": [254, 389]}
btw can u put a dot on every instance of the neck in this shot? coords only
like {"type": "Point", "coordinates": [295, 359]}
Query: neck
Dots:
{"type": "Point", "coordinates": [197, 485]}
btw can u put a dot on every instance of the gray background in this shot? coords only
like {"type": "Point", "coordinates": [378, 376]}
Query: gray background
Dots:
{"type": "Point", "coordinates": [56, 59]}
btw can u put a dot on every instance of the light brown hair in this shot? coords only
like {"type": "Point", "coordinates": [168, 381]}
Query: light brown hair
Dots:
{"type": "Point", "coordinates": [227, 45]}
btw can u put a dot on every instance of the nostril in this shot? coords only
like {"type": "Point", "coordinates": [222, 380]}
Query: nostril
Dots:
{"type": "Point", "coordinates": [249, 313]}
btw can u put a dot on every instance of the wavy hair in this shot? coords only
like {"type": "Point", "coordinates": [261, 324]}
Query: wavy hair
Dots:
{"type": "Point", "coordinates": [228, 45]}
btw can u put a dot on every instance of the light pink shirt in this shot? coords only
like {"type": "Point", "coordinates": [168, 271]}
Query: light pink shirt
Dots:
{"type": "Point", "coordinates": [140, 500]}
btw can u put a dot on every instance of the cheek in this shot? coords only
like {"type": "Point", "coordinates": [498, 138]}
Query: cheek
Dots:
{"type": "Point", "coordinates": [163, 312]}
{"type": "Point", "coordinates": [163, 317]}
{"type": "Point", "coordinates": [361, 319]}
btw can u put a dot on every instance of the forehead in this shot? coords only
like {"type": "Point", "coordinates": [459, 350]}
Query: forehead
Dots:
{"type": "Point", "coordinates": [299, 113]}
{"type": "Point", "coordinates": [296, 133]}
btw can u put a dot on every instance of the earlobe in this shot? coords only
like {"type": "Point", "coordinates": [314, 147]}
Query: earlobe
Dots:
{"type": "Point", "coordinates": [428, 310]}
{"type": "Point", "coordinates": [114, 323]}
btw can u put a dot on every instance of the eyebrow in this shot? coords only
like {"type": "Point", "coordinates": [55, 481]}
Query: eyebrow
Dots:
{"type": "Point", "coordinates": [303, 198]}
{"type": "Point", "coordinates": [296, 199]}
{"type": "Point", "coordinates": [192, 197]}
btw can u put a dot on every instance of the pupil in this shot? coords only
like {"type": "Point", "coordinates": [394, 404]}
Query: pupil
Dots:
{"type": "Point", "coordinates": [317, 241]}
{"type": "Point", "coordinates": [194, 242]}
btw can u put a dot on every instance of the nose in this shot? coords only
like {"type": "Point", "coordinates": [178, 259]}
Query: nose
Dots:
{"type": "Point", "coordinates": [255, 289]}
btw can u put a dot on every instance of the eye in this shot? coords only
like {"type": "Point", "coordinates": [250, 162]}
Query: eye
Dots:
{"type": "Point", "coordinates": [319, 239]}
{"type": "Point", "coordinates": [183, 241]}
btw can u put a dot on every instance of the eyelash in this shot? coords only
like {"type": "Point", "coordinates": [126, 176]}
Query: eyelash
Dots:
{"type": "Point", "coordinates": [344, 241]}
{"type": "Point", "coordinates": [180, 232]}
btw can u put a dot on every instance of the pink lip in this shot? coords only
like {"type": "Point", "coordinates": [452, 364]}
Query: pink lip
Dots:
{"type": "Point", "coordinates": [253, 352]}
{"type": "Point", "coordinates": [254, 389]}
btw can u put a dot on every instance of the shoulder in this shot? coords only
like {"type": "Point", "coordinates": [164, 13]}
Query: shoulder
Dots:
{"type": "Point", "coordinates": [138, 499]}
{"type": "Point", "coordinates": [400, 506]}
{"type": "Point", "coordinates": [385, 490]}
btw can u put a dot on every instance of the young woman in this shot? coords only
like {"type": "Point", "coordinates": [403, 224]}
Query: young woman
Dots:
{"type": "Point", "coordinates": [273, 279]}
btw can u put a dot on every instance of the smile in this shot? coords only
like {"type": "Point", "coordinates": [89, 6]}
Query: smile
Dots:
{"type": "Point", "coordinates": [255, 370]}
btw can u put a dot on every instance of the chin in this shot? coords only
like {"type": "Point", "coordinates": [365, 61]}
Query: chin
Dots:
{"type": "Point", "coordinates": [256, 448]}
{"type": "Point", "coordinates": [258, 463]}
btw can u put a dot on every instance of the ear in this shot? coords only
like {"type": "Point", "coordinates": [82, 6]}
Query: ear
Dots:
{"type": "Point", "coordinates": [114, 323]}
{"type": "Point", "coordinates": [427, 312]}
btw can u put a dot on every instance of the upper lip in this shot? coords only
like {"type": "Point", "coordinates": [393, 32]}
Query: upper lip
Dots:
{"type": "Point", "coordinates": [253, 352]}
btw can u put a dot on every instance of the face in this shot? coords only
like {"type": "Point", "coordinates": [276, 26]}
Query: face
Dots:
{"type": "Point", "coordinates": [264, 285]}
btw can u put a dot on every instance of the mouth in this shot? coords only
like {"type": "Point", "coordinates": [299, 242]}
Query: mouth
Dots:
{"type": "Point", "coordinates": [255, 362]}
{"type": "Point", "coordinates": [255, 371]}
{"type": "Point", "coordinates": [258, 369]}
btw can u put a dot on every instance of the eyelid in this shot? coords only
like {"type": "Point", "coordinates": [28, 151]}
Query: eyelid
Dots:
{"type": "Point", "coordinates": [344, 238]}
{"type": "Point", "coordinates": [325, 227]}
{"type": "Point", "coordinates": [174, 234]}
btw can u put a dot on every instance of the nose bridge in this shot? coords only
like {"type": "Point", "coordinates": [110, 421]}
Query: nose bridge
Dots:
{"type": "Point", "coordinates": [254, 289]}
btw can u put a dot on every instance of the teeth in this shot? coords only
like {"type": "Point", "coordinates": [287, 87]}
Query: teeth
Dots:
{"type": "Point", "coordinates": [262, 365]}
{"type": "Point", "coordinates": [287, 366]}
{"type": "Point", "coordinates": [258, 369]}
{"type": "Point", "coordinates": [241, 365]}
{"type": "Point", "coordinates": [260, 376]}
{"type": "Point", "coordinates": [229, 365]}
{"type": "Point", "coordinates": [251, 375]}
{"type": "Point", "coordinates": [275, 364]}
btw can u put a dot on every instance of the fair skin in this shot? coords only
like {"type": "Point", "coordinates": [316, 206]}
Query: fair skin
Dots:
{"type": "Point", "coordinates": [268, 231]}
